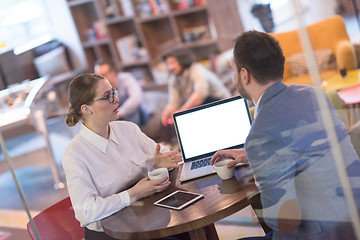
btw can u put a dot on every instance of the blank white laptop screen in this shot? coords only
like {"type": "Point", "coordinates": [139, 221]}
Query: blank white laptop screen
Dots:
{"type": "Point", "coordinates": [210, 129]}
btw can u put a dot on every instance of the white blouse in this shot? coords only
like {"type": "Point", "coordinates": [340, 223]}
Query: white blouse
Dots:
{"type": "Point", "coordinates": [98, 170]}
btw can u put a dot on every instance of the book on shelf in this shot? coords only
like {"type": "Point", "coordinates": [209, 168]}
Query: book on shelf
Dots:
{"type": "Point", "coordinates": [130, 50]}
{"type": "Point", "coordinates": [154, 7]}
{"type": "Point", "coordinates": [125, 46]}
{"type": "Point", "coordinates": [200, 2]}
{"type": "Point", "coordinates": [184, 4]}
{"type": "Point", "coordinates": [127, 8]}
{"type": "Point", "coordinates": [163, 6]}
{"type": "Point", "coordinates": [147, 8]}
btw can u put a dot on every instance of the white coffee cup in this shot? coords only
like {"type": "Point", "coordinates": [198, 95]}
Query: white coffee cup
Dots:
{"type": "Point", "coordinates": [158, 174]}
{"type": "Point", "coordinates": [221, 169]}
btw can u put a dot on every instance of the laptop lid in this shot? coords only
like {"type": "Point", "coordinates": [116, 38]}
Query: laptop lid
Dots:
{"type": "Point", "coordinates": [203, 130]}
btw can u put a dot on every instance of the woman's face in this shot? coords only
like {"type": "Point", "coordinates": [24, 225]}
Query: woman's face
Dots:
{"type": "Point", "coordinates": [173, 65]}
{"type": "Point", "coordinates": [104, 107]}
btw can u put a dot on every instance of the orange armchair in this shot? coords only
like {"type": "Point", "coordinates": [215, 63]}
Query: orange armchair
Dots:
{"type": "Point", "coordinates": [330, 34]}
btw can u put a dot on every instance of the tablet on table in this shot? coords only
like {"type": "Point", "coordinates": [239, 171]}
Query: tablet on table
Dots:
{"type": "Point", "coordinates": [178, 199]}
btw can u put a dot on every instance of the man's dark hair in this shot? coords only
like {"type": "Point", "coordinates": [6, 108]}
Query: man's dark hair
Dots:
{"type": "Point", "coordinates": [261, 55]}
{"type": "Point", "coordinates": [183, 56]}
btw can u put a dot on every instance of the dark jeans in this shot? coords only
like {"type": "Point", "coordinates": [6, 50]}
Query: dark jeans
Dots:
{"type": "Point", "coordinates": [94, 235]}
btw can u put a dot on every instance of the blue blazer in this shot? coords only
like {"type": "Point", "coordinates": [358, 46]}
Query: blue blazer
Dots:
{"type": "Point", "coordinates": [290, 154]}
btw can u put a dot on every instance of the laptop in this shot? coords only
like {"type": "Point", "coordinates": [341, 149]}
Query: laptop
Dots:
{"type": "Point", "coordinates": [203, 130]}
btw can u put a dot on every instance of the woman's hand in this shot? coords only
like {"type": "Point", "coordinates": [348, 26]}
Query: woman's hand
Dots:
{"type": "Point", "coordinates": [146, 187]}
{"type": "Point", "coordinates": [238, 155]}
{"type": "Point", "coordinates": [166, 159]}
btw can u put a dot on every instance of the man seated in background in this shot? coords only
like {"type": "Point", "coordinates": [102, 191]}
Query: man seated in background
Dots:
{"type": "Point", "coordinates": [129, 92]}
{"type": "Point", "coordinates": [190, 84]}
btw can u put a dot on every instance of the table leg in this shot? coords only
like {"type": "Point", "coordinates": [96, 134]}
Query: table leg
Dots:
{"type": "Point", "coordinates": [211, 232]}
{"type": "Point", "coordinates": [205, 233]}
{"type": "Point", "coordinates": [352, 115]}
{"type": "Point", "coordinates": [347, 116]}
{"type": "Point", "coordinates": [41, 125]}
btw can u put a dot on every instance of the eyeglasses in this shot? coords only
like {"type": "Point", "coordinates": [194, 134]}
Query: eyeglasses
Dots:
{"type": "Point", "coordinates": [110, 96]}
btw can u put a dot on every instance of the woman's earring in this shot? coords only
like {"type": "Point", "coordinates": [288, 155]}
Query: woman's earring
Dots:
{"type": "Point", "coordinates": [90, 113]}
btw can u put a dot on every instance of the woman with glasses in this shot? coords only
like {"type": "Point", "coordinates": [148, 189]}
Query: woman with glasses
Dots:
{"type": "Point", "coordinates": [106, 163]}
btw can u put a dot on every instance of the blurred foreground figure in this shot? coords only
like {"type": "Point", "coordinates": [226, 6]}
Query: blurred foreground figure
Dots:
{"type": "Point", "coordinates": [289, 150]}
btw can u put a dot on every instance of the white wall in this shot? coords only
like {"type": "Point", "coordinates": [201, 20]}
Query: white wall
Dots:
{"type": "Point", "coordinates": [65, 30]}
{"type": "Point", "coordinates": [314, 12]}
{"type": "Point", "coordinates": [317, 10]}
{"type": "Point", "coordinates": [250, 22]}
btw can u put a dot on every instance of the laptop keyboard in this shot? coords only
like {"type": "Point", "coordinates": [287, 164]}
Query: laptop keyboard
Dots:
{"type": "Point", "coordinates": [200, 163]}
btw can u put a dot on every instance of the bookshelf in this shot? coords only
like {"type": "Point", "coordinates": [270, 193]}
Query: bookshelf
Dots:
{"type": "Point", "coordinates": [133, 33]}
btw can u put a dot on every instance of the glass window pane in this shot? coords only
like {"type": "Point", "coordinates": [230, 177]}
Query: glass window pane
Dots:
{"type": "Point", "coordinates": [23, 21]}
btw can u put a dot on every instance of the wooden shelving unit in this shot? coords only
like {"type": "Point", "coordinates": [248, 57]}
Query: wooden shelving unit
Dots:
{"type": "Point", "coordinates": [133, 33]}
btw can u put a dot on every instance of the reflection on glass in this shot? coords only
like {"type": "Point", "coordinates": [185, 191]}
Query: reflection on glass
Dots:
{"type": "Point", "coordinates": [291, 147]}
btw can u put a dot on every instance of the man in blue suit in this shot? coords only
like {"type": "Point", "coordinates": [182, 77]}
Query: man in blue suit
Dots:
{"type": "Point", "coordinates": [288, 148]}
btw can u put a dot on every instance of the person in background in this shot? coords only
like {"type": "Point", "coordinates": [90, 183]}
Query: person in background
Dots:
{"type": "Point", "coordinates": [288, 147]}
{"type": "Point", "coordinates": [129, 92]}
{"type": "Point", "coordinates": [107, 162]}
{"type": "Point", "coordinates": [190, 84]}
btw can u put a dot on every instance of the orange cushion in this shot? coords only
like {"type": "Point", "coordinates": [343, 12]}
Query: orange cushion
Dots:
{"type": "Point", "coordinates": [306, 79]}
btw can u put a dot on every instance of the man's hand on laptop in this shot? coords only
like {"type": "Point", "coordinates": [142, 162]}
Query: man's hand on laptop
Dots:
{"type": "Point", "coordinates": [238, 155]}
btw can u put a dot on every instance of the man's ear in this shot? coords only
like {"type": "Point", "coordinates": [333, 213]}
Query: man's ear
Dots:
{"type": "Point", "coordinates": [245, 75]}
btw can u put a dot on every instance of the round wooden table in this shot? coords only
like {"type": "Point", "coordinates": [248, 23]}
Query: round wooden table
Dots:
{"type": "Point", "coordinates": [144, 220]}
